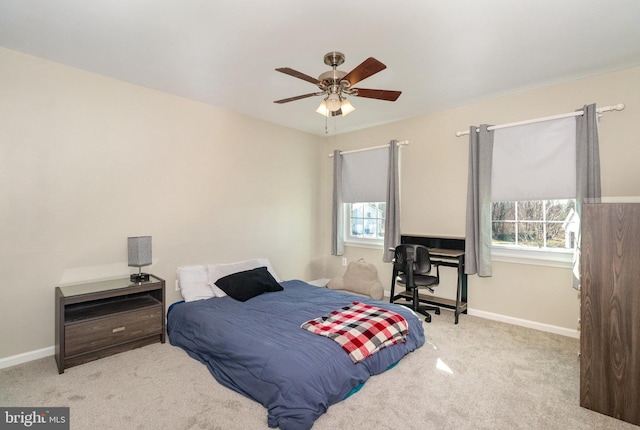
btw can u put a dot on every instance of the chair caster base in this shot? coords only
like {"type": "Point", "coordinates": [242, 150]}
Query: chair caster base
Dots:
{"type": "Point", "coordinates": [437, 311]}
{"type": "Point", "coordinates": [428, 319]}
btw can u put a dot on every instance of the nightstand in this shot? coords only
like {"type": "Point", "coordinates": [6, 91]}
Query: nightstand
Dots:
{"type": "Point", "coordinates": [98, 319]}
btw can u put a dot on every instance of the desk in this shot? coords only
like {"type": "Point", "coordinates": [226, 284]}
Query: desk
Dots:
{"type": "Point", "coordinates": [448, 252]}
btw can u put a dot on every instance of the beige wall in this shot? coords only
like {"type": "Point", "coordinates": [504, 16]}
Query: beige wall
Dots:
{"type": "Point", "coordinates": [86, 161]}
{"type": "Point", "coordinates": [434, 175]}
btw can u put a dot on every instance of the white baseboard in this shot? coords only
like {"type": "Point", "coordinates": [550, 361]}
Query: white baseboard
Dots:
{"type": "Point", "coordinates": [526, 323]}
{"type": "Point", "coordinates": [14, 360]}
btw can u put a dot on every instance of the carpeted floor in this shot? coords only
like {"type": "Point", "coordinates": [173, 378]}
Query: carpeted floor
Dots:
{"type": "Point", "coordinates": [479, 374]}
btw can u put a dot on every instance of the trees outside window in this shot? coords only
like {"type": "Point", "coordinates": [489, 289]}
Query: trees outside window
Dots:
{"type": "Point", "coordinates": [543, 224]}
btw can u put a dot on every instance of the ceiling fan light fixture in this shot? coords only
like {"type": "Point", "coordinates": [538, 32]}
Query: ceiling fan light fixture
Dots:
{"type": "Point", "coordinates": [333, 102]}
{"type": "Point", "coordinates": [322, 109]}
{"type": "Point", "coordinates": [335, 84]}
{"type": "Point", "coordinates": [346, 107]}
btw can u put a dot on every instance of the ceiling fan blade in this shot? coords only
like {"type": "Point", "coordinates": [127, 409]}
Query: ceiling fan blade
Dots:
{"type": "Point", "coordinates": [289, 71]}
{"type": "Point", "coordinates": [368, 67]}
{"type": "Point", "coordinates": [291, 99]}
{"type": "Point", "coordinates": [387, 95]}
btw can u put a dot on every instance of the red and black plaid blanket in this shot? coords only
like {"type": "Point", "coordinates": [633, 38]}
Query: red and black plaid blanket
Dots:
{"type": "Point", "coordinates": [360, 329]}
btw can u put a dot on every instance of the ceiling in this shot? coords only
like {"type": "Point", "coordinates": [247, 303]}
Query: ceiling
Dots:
{"type": "Point", "coordinates": [440, 54]}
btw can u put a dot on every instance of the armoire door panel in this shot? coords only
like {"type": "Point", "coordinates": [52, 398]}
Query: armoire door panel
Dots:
{"type": "Point", "coordinates": [610, 310]}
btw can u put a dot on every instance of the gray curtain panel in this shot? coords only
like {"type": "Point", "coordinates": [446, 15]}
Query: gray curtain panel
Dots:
{"type": "Point", "coordinates": [337, 230]}
{"type": "Point", "coordinates": [587, 172]}
{"type": "Point", "coordinates": [478, 228]}
{"type": "Point", "coordinates": [392, 218]}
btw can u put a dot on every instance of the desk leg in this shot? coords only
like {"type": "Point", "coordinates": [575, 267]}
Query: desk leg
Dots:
{"type": "Point", "coordinates": [461, 290]}
{"type": "Point", "coordinates": [458, 292]}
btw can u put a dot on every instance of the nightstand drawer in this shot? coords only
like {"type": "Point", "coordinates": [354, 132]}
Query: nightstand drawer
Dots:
{"type": "Point", "coordinates": [103, 332]}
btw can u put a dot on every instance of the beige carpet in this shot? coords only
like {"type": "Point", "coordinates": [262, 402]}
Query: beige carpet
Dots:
{"type": "Point", "coordinates": [479, 374]}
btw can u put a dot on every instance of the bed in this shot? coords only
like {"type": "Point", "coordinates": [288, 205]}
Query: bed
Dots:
{"type": "Point", "coordinates": [258, 348]}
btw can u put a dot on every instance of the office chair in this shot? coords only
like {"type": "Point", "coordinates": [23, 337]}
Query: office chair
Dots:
{"type": "Point", "coordinates": [411, 267]}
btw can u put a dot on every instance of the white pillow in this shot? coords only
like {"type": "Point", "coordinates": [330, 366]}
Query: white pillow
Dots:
{"type": "Point", "coordinates": [217, 271]}
{"type": "Point", "coordinates": [194, 283]}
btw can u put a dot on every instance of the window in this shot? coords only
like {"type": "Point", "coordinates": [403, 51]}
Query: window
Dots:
{"type": "Point", "coordinates": [364, 222]}
{"type": "Point", "coordinates": [546, 228]}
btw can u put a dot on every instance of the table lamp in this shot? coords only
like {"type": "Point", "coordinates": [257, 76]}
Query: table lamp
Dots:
{"type": "Point", "coordinates": [139, 255]}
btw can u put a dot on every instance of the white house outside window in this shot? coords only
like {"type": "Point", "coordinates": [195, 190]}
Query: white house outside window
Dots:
{"type": "Point", "coordinates": [364, 222]}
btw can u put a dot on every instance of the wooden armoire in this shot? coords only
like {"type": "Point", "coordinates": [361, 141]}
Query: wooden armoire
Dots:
{"type": "Point", "coordinates": [610, 310]}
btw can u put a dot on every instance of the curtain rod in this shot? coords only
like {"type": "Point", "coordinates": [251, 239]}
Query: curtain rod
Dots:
{"type": "Point", "coordinates": [617, 107]}
{"type": "Point", "coordinates": [399, 144]}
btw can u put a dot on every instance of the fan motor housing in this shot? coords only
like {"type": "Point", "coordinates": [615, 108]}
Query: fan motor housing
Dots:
{"type": "Point", "coordinates": [331, 77]}
{"type": "Point", "coordinates": [334, 77]}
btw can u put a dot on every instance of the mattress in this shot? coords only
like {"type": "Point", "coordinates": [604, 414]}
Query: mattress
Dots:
{"type": "Point", "coordinates": [259, 349]}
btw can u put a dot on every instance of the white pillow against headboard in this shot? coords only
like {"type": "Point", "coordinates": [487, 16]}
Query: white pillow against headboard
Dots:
{"type": "Point", "coordinates": [217, 271]}
{"type": "Point", "coordinates": [194, 283]}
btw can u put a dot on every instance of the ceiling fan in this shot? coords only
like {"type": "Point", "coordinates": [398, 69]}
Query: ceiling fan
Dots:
{"type": "Point", "coordinates": [335, 85]}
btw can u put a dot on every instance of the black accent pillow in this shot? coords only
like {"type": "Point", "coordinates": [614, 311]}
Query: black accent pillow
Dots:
{"type": "Point", "coordinates": [249, 283]}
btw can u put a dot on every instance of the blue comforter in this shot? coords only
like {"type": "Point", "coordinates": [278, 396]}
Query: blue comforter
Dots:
{"type": "Point", "coordinates": [258, 349]}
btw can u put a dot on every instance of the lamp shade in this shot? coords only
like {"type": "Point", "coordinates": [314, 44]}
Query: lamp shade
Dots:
{"type": "Point", "coordinates": [346, 107]}
{"type": "Point", "coordinates": [139, 251]}
{"type": "Point", "coordinates": [322, 109]}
